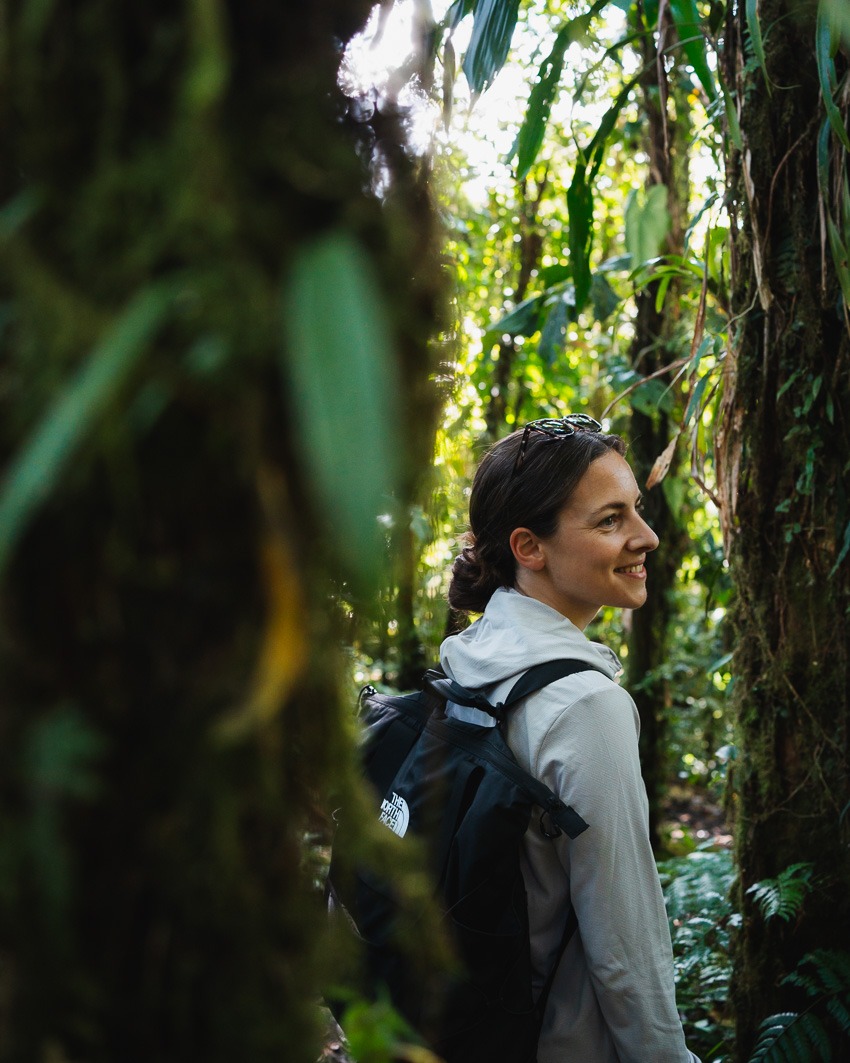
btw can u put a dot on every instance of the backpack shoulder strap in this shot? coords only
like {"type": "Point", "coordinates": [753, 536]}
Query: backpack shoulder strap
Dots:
{"type": "Point", "coordinates": [541, 675]}
{"type": "Point", "coordinates": [449, 690]}
{"type": "Point", "coordinates": [537, 677]}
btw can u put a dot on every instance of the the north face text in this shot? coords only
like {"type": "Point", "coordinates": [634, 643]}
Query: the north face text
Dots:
{"type": "Point", "coordinates": [395, 813]}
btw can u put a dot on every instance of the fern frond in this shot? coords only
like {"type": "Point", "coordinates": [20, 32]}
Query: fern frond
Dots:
{"type": "Point", "coordinates": [782, 897]}
{"type": "Point", "coordinates": [792, 1038]}
{"type": "Point", "coordinates": [789, 1037]}
{"type": "Point", "coordinates": [841, 1013]}
{"type": "Point", "coordinates": [769, 1033]}
{"type": "Point", "coordinates": [813, 1035]}
{"type": "Point", "coordinates": [824, 972]}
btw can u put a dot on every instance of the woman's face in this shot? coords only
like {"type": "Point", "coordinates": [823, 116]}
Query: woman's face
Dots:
{"type": "Point", "coordinates": [597, 553]}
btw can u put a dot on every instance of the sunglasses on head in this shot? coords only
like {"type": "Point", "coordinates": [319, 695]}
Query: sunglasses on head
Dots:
{"type": "Point", "coordinates": [554, 428]}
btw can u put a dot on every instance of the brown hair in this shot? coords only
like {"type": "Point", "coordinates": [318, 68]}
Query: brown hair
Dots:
{"type": "Point", "coordinates": [532, 498]}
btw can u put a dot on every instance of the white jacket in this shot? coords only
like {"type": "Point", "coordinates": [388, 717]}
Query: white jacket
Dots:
{"type": "Point", "coordinates": [613, 998]}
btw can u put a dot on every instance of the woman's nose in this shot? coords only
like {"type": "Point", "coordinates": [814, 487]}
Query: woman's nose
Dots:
{"type": "Point", "coordinates": [645, 537]}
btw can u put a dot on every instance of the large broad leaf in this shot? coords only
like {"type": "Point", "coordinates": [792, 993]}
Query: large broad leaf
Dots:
{"type": "Point", "coordinates": [35, 471]}
{"type": "Point", "coordinates": [493, 27]}
{"type": "Point", "coordinates": [554, 332]}
{"type": "Point", "coordinates": [531, 133]}
{"type": "Point", "coordinates": [457, 13]}
{"type": "Point", "coordinates": [652, 396]}
{"type": "Point", "coordinates": [580, 198]}
{"type": "Point", "coordinates": [647, 223]}
{"type": "Point", "coordinates": [580, 212]}
{"type": "Point", "coordinates": [544, 90]}
{"type": "Point", "coordinates": [523, 320]}
{"type": "Point", "coordinates": [595, 152]}
{"type": "Point", "coordinates": [602, 297]}
{"type": "Point", "coordinates": [344, 390]}
{"type": "Point", "coordinates": [689, 27]}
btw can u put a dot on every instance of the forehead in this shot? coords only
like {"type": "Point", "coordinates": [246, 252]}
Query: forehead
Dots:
{"type": "Point", "coordinates": [608, 480]}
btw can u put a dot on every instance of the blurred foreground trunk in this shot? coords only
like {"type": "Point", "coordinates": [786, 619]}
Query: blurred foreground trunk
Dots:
{"type": "Point", "coordinates": [218, 285]}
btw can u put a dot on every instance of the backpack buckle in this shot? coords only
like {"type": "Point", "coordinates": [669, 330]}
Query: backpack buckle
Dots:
{"type": "Point", "coordinates": [553, 830]}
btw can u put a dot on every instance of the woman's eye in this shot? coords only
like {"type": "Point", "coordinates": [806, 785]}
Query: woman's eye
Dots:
{"type": "Point", "coordinates": [609, 521]}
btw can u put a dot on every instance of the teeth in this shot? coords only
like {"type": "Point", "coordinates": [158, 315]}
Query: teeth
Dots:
{"type": "Point", "coordinates": [631, 568]}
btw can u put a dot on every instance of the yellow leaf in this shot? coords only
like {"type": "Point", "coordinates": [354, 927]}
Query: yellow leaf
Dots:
{"type": "Point", "coordinates": [283, 652]}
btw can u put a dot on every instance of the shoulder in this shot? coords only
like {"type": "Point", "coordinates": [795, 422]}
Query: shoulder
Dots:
{"type": "Point", "coordinates": [583, 716]}
{"type": "Point", "coordinates": [589, 693]}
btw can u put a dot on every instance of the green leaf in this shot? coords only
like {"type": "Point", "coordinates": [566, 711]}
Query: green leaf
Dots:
{"type": "Point", "coordinates": [552, 275]}
{"type": "Point", "coordinates": [603, 297]}
{"type": "Point", "coordinates": [339, 361]}
{"type": "Point", "coordinates": [580, 212]}
{"type": "Point", "coordinates": [837, 13]}
{"type": "Point", "coordinates": [647, 224]}
{"type": "Point", "coordinates": [458, 12]}
{"type": "Point", "coordinates": [824, 53]}
{"type": "Point", "coordinates": [36, 469]}
{"type": "Point", "coordinates": [840, 257]}
{"type": "Point", "coordinates": [844, 551]}
{"type": "Point", "coordinates": [650, 397]}
{"type": "Point", "coordinates": [782, 897]}
{"type": "Point", "coordinates": [523, 320]}
{"type": "Point", "coordinates": [532, 131]}
{"type": "Point", "coordinates": [580, 199]}
{"type": "Point", "coordinates": [533, 128]}
{"type": "Point", "coordinates": [754, 28]}
{"type": "Point", "coordinates": [553, 334]}
{"type": "Point", "coordinates": [695, 400]}
{"type": "Point", "coordinates": [493, 27]}
{"type": "Point", "coordinates": [596, 149]}
{"type": "Point", "coordinates": [732, 122]}
{"type": "Point", "coordinates": [770, 1031]}
{"type": "Point", "coordinates": [617, 264]}
{"type": "Point", "coordinates": [689, 27]}
{"type": "Point", "coordinates": [823, 162]}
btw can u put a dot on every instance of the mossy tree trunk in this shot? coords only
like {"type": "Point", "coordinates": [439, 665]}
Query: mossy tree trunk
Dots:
{"type": "Point", "coordinates": [653, 347]}
{"type": "Point", "coordinates": [783, 468]}
{"type": "Point", "coordinates": [171, 716]}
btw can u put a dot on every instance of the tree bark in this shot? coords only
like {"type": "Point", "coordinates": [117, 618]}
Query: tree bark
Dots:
{"type": "Point", "coordinates": [782, 465]}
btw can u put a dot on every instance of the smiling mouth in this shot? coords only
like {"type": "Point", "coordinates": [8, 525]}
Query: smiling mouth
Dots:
{"type": "Point", "coordinates": [632, 570]}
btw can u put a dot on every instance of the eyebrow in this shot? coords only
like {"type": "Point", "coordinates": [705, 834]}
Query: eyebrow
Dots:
{"type": "Point", "coordinates": [615, 505]}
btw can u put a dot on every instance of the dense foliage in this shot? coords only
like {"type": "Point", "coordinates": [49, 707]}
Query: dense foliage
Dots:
{"type": "Point", "coordinates": [658, 218]}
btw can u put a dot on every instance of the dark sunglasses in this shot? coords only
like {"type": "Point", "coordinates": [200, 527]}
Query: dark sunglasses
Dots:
{"type": "Point", "coordinates": [554, 428]}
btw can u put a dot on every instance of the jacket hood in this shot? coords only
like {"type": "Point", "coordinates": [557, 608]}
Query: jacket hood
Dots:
{"type": "Point", "coordinates": [514, 633]}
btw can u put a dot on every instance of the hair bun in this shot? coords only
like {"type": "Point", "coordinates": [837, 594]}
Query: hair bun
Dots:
{"type": "Point", "coordinates": [473, 581]}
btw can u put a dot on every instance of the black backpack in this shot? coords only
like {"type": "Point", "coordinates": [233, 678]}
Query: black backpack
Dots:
{"type": "Point", "coordinates": [457, 787]}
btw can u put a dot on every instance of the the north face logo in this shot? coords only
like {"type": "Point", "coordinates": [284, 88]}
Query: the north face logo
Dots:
{"type": "Point", "coordinates": [395, 813]}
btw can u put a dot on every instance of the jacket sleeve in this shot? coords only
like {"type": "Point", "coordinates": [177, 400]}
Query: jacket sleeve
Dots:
{"type": "Point", "coordinates": [590, 757]}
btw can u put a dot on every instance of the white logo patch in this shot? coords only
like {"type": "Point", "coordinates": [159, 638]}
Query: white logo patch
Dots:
{"type": "Point", "coordinates": [396, 814]}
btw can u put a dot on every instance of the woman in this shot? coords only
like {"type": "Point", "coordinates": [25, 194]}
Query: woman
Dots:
{"type": "Point", "coordinates": [556, 533]}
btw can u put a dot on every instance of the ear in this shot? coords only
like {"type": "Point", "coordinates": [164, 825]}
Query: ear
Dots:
{"type": "Point", "coordinates": [527, 549]}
